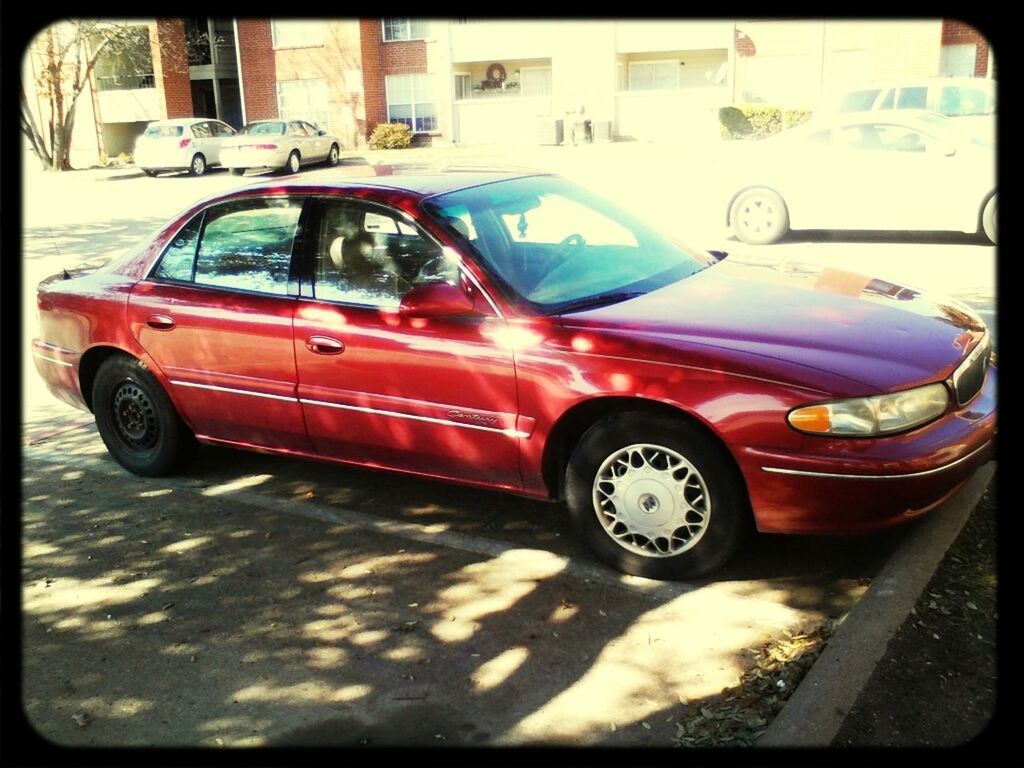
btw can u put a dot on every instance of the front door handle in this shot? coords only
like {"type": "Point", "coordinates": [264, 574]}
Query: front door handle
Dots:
{"type": "Point", "coordinates": [325, 345]}
{"type": "Point", "coordinates": [160, 322]}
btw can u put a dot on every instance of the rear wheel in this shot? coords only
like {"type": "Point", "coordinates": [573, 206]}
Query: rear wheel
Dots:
{"type": "Point", "coordinates": [759, 216]}
{"type": "Point", "coordinates": [656, 497]}
{"type": "Point", "coordinates": [198, 165]}
{"type": "Point", "coordinates": [136, 419]}
{"type": "Point", "coordinates": [988, 219]}
{"type": "Point", "coordinates": [294, 162]}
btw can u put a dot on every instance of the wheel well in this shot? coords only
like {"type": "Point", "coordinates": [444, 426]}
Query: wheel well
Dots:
{"type": "Point", "coordinates": [732, 201]}
{"type": "Point", "coordinates": [90, 364]}
{"type": "Point", "coordinates": [574, 423]}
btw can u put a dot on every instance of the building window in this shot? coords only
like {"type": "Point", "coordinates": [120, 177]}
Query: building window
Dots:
{"type": "Point", "coordinates": [653, 75]}
{"type": "Point", "coordinates": [463, 86]}
{"type": "Point", "coordinates": [411, 101]}
{"type": "Point", "coordinates": [958, 60]}
{"type": "Point", "coordinates": [404, 29]}
{"type": "Point", "coordinates": [303, 100]}
{"type": "Point", "coordinates": [297, 33]}
{"type": "Point", "coordinates": [535, 81]}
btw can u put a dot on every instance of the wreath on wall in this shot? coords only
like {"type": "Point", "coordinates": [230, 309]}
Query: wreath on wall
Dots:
{"type": "Point", "coordinates": [496, 73]}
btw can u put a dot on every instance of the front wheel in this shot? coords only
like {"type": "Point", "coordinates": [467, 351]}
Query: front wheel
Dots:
{"type": "Point", "coordinates": [198, 165]}
{"type": "Point", "coordinates": [136, 419]}
{"type": "Point", "coordinates": [334, 155]}
{"type": "Point", "coordinates": [988, 220]}
{"type": "Point", "coordinates": [656, 497]}
{"type": "Point", "coordinates": [759, 216]}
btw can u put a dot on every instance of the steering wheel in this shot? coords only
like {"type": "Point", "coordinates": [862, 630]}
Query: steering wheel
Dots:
{"type": "Point", "coordinates": [575, 240]}
{"type": "Point", "coordinates": [434, 270]}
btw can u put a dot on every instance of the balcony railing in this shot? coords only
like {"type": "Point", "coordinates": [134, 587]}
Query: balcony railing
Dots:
{"type": "Point", "coordinates": [125, 82]}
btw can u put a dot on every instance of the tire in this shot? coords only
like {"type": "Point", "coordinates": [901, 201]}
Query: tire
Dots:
{"type": "Point", "coordinates": [653, 534]}
{"type": "Point", "coordinates": [136, 419]}
{"type": "Point", "coordinates": [759, 216]}
{"type": "Point", "coordinates": [237, 171]}
{"type": "Point", "coordinates": [198, 165]}
{"type": "Point", "coordinates": [988, 219]}
{"type": "Point", "coordinates": [150, 171]}
{"type": "Point", "coordinates": [294, 162]}
{"type": "Point", "coordinates": [334, 155]}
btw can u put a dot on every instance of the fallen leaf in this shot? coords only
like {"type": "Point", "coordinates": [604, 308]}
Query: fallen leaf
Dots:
{"type": "Point", "coordinates": [81, 719]}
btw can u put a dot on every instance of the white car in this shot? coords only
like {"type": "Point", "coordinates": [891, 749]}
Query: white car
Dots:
{"type": "Point", "coordinates": [907, 171]}
{"type": "Point", "coordinates": [192, 143]}
{"type": "Point", "coordinates": [280, 144]}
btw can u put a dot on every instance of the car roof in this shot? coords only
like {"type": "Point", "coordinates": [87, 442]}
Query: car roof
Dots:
{"type": "Point", "coordinates": [911, 81]}
{"type": "Point", "coordinates": [418, 182]}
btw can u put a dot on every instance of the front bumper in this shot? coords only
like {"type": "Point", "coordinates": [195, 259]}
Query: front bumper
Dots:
{"type": "Point", "coordinates": [849, 486]}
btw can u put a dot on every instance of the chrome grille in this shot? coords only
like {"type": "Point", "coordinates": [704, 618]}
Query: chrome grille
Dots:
{"type": "Point", "coordinates": [970, 374]}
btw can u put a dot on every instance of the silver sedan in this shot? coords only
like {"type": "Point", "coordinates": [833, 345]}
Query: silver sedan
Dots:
{"type": "Point", "coordinates": [279, 144]}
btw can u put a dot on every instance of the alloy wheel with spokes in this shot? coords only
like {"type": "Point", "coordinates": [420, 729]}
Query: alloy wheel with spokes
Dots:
{"type": "Point", "coordinates": [656, 495]}
{"type": "Point", "coordinates": [651, 500]}
{"type": "Point", "coordinates": [293, 163]}
{"type": "Point", "coordinates": [198, 166]}
{"type": "Point", "coordinates": [334, 155]}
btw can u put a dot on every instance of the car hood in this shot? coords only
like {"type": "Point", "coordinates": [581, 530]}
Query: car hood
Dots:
{"type": "Point", "coordinates": [804, 324]}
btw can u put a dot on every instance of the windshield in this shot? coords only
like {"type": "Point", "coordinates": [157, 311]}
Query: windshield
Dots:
{"type": "Point", "coordinates": [982, 135]}
{"type": "Point", "coordinates": [264, 129]}
{"type": "Point", "coordinates": [163, 130]}
{"type": "Point", "coordinates": [560, 247]}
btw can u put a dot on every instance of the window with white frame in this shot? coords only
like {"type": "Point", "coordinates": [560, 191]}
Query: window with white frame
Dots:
{"type": "Point", "coordinates": [297, 33]}
{"type": "Point", "coordinates": [653, 75]}
{"type": "Point", "coordinates": [411, 101]}
{"type": "Point", "coordinates": [303, 100]}
{"type": "Point", "coordinates": [535, 81]}
{"type": "Point", "coordinates": [404, 29]}
{"type": "Point", "coordinates": [958, 60]}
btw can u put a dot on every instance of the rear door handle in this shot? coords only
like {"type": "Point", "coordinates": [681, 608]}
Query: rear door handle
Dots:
{"type": "Point", "coordinates": [160, 322]}
{"type": "Point", "coordinates": [325, 345]}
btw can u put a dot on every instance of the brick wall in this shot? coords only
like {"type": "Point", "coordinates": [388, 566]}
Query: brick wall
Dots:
{"type": "Point", "coordinates": [170, 66]}
{"type": "Point", "coordinates": [380, 59]}
{"type": "Point", "coordinates": [958, 32]}
{"type": "Point", "coordinates": [258, 69]}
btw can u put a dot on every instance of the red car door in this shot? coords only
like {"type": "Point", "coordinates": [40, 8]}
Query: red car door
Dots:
{"type": "Point", "coordinates": [436, 396]}
{"type": "Point", "coordinates": [216, 317]}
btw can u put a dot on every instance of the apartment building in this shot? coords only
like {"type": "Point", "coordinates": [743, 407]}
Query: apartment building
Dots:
{"type": "Point", "coordinates": [474, 81]}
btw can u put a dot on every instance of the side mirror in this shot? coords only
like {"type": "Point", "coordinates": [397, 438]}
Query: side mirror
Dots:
{"type": "Point", "coordinates": [321, 132]}
{"type": "Point", "coordinates": [436, 300]}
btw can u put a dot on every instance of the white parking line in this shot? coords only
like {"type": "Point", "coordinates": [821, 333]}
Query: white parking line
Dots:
{"type": "Point", "coordinates": [590, 572]}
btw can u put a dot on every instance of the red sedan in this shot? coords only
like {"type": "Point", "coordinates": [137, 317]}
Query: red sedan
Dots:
{"type": "Point", "coordinates": [517, 332]}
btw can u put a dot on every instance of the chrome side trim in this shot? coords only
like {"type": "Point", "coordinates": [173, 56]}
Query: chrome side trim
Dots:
{"type": "Point", "coordinates": [65, 363]}
{"type": "Point", "coordinates": [233, 391]}
{"type": "Point", "coordinates": [414, 417]}
{"type": "Point", "coordinates": [943, 468]}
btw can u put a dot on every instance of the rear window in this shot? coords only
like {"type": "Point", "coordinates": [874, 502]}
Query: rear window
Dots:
{"type": "Point", "coordinates": [966, 100]}
{"type": "Point", "coordinates": [163, 130]}
{"type": "Point", "coordinates": [264, 129]}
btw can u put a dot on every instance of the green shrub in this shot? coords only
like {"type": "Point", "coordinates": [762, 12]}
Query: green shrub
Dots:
{"type": "Point", "coordinates": [756, 121]}
{"type": "Point", "coordinates": [391, 136]}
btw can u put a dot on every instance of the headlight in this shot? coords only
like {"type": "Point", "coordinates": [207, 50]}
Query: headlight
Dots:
{"type": "Point", "coordinates": [867, 416]}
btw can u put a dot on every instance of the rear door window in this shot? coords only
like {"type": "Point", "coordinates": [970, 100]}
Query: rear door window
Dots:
{"type": "Point", "coordinates": [201, 130]}
{"type": "Point", "coordinates": [913, 98]}
{"type": "Point", "coordinates": [244, 245]}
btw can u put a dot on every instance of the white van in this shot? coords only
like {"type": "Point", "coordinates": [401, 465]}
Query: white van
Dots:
{"type": "Point", "coordinates": [971, 100]}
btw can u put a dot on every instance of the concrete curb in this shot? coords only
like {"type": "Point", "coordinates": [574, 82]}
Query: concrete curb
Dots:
{"type": "Point", "coordinates": [815, 712]}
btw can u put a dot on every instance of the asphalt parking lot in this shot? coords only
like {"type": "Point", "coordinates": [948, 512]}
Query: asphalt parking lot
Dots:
{"type": "Point", "coordinates": [258, 600]}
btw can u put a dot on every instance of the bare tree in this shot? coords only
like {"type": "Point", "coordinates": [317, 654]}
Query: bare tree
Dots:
{"type": "Point", "coordinates": [66, 55]}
